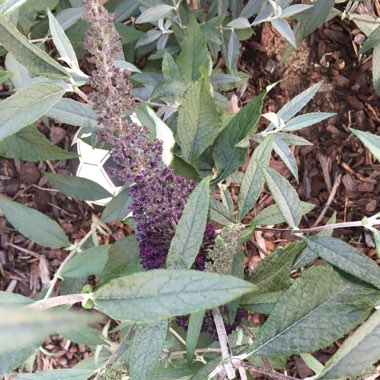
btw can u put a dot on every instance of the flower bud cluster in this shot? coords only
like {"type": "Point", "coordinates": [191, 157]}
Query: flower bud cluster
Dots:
{"type": "Point", "coordinates": [112, 95]}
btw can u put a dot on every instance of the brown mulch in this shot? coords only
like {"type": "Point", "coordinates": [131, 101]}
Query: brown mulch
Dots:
{"type": "Point", "coordinates": [331, 55]}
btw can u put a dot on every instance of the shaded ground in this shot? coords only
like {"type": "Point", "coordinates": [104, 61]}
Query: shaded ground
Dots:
{"type": "Point", "coordinates": [335, 157]}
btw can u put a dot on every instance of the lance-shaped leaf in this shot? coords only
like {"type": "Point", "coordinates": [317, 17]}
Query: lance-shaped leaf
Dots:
{"type": "Point", "coordinates": [345, 257]}
{"type": "Point", "coordinates": [272, 214]}
{"type": "Point", "coordinates": [160, 294]}
{"type": "Point", "coordinates": [283, 151]}
{"type": "Point", "coordinates": [194, 53]}
{"type": "Point", "coordinates": [31, 145]}
{"type": "Point", "coordinates": [80, 188]}
{"type": "Point", "coordinates": [370, 141]}
{"type": "Point", "coordinates": [226, 154]}
{"type": "Point", "coordinates": [188, 237]}
{"type": "Point", "coordinates": [297, 103]}
{"type": "Point", "coordinates": [193, 332]}
{"type": "Point", "coordinates": [33, 224]}
{"type": "Point", "coordinates": [71, 112]}
{"type": "Point", "coordinates": [306, 120]}
{"type": "Point", "coordinates": [36, 60]}
{"type": "Point", "coordinates": [26, 106]}
{"type": "Point", "coordinates": [62, 43]}
{"type": "Point", "coordinates": [146, 349]}
{"type": "Point", "coordinates": [118, 208]}
{"type": "Point", "coordinates": [372, 41]}
{"type": "Point", "coordinates": [253, 180]}
{"type": "Point", "coordinates": [155, 13]}
{"type": "Point", "coordinates": [285, 196]}
{"type": "Point", "coordinates": [314, 17]}
{"type": "Point", "coordinates": [22, 327]}
{"type": "Point", "coordinates": [320, 307]}
{"type": "Point", "coordinates": [199, 122]}
{"type": "Point", "coordinates": [357, 353]}
{"type": "Point", "coordinates": [273, 271]}
{"type": "Point", "coordinates": [308, 256]}
{"type": "Point", "coordinates": [86, 263]}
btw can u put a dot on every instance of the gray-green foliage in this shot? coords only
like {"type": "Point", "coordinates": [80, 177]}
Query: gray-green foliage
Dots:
{"type": "Point", "coordinates": [317, 309]}
{"type": "Point", "coordinates": [152, 296]}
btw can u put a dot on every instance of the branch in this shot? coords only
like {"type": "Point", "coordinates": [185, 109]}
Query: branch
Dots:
{"type": "Point", "coordinates": [76, 248]}
{"type": "Point", "coordinates": [320, 228]}
{"type": "Point", "coordinates": [48, 303]}
{"type": "Point", "coordinates": [223, 341]}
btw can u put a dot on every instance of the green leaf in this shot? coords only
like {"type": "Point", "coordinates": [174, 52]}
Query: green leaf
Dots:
{"type": "Point", "coordinates": [146, 349]}
{"type": "Point", "coordinates": [33, 224]}
{"type": "Point", "coordinates": [87, 263]}
{"type": "Point", "coordinates": [62, 43]}
{"type": "Point", "coordinates": [306, 120]}
{"type": "Point", "coordinates": [274, 270]}
{"type": "Point", "coordinates": [71, 112]}
{"type": "Point", "coordinates": [85, 335]}
{"type": "Point", "coordinates": [36, 60]}
{"type": "Point", "coordinates": [298, 102]}
{"type": "Point", "coordinates": [312, 363]}
{"type": "Point", "coordinates": [261, 303]}
{"type": "Point", "coordinates": [219, 212]}
{"type": "Point", "coordinates": [123, 258]}
{"type": "Point", "coordinates": [320, 307]}
{"type": "Point", "coordinates": [198, 122]}
{"type": "Point", "coordinates": [376, 238]}
{"type": "Point", "coordinates": [155, 13]}
{"type": "Point", "coordinates": [188, 237]}
{"type": "Point", "coordinates": [345, 257]}
{"type": "Point", "coordinates": [291, 139]}
{"type": "Point", "coordinates": [13, 299]}
{"type": "Point", "coordinates": [184, 169]}
{"type": "Point", "coordinates": [285, 196]}
{"type": "Point", "coordinates": [253, 180]}
{"type": "Point", "coordinates": [371, 42]}
{"type": "Point", "coordinates": [13, 358]}
{"type": "Point", "coordinates": [127, 33]}
{"type": "Point", "coordinates": [272, 214]}
{"type": "Point", "coordinates": [357, 353]}
{"type": "Point", "coordinates": [314, 17]}
{"type": "Point", "coordinates": [118, 208]}
{"type": "Point", "coordinates": [370, 141]}
{"type": "Point", "coordinates": [307, 257]}
{"type": "Point", "coordinates": [194, 53]}
{"type": "Point", "coordinates": [226, 155]}
{"type": "Point", "coordinates": [286, 155]}
{"type": "Point", "coordinates": [26, 106]}
{"type": "Point", "coordinates": [159, 294]}
{"type": "Point", "coordinates": [376, 69]}
{"type": "Point", "coordinates": [31, 145]}
{"type": "Point", "coordinates": [22, 327]}
{"type": "Point", "coordinates": [80, 188]}
{"type": "Point", "coordinates": [193, 332]}
{"type": "Point", "coordinates": [57, 374]}
{"type": "Point", "coordinates": [232, 54]}
{"type": "Point", "coordinates": [170, 373]}
{"type": "Point", "coordinates": [169, 68]}
{"type": "Point", "coordinates": [9, 6]}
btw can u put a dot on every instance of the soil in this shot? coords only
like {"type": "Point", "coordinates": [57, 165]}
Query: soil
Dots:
{"type": "Point", "coordinates": [336, 157]}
